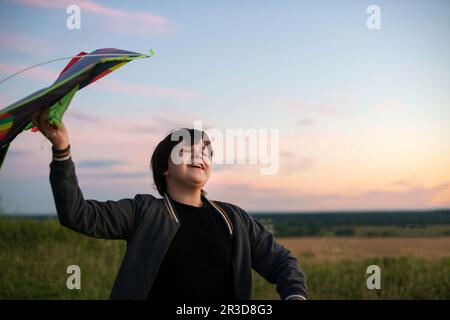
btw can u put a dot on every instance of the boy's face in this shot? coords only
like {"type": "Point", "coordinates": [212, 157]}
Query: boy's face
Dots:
{"type": "Point", "coordinates": [192, 168]}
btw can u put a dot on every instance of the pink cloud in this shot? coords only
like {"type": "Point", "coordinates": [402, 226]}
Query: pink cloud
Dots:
{"type": "Point", "coordinates": [91, 138]}
{"type": "Point", "coordinates": [254, 198]}
{"type": "Point", "coordinates": [118, 86]}
{"type": "Point", "coordinates": [340, 97]}
{"type": "Point", "coordinates": [37, 73]}
{"type": "Point", "coordinates": [408, 183]}
{"type": "Point", "coordinates": [308, 107]}
{"type": "Point", "coordinates": [107, 84]}
{"type": "Point", "coordinates": [305, 122]}
{"type": "Point", "coordinates": [290, 164]}
{"type": "Point", "coordinates": [143, 22]}
{"type": "Point", "coordinates": [440, 194]}
{"type": "Point", "coordinates": [332, 103]}
{"type": "Point", "coordinates": [120, 141]}
{"type": "Point", "coordinates": [387, 106]}
{"type": "Point", "coordinates": [3, 101]}
{"type": "Point", "coordinates": [81, 116]}
{"type": "Point", "coordinates": [16, 42]}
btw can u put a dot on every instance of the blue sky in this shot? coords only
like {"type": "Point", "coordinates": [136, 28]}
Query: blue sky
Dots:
{"type": "Point", "coordinates": [363, 114]}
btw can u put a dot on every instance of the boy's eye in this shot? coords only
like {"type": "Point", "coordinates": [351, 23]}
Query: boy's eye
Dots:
{"type": "Point", "coordinates": [185, 151]}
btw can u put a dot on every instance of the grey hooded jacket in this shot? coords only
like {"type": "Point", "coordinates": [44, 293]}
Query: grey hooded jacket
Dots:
{"type": "Point", "coordinates": [148, 225]}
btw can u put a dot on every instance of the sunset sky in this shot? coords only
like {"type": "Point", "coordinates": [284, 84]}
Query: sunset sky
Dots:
{"type": "Point", "coordinates": [363, 115]}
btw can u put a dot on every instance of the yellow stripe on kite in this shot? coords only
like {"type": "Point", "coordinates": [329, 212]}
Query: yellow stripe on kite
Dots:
{"type": "Point", "coordinates": [6, 126]}
{"type": "Point", "coordinates": [118, 65]}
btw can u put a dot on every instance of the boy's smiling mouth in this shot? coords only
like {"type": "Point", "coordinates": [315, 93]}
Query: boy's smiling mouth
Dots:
{"type": "Point", "coordinates": [198, 166]}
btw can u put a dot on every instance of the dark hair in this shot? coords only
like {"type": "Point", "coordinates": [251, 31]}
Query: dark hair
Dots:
{"type": "Point", "coordinates": [160, 158]}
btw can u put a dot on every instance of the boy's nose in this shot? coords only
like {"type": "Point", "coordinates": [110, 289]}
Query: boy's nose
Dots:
{"type": "Point", "coordinates": [197, 158]}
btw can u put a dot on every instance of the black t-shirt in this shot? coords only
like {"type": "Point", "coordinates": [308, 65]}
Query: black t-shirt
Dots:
{"type": "Point", "coordinates": [198, 263]}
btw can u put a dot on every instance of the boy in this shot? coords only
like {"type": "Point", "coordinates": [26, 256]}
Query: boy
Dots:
{"type": "Point", "coordinates": [182, 246]}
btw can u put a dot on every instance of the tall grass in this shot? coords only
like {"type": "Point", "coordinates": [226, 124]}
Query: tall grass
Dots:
{"type": "Point", "coordinates": [404, 277]}
{"type": "Point", "coordinates": [34, 256]}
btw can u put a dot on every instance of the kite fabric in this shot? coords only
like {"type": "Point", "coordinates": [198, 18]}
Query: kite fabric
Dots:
{"type": "Point", "coordinates": [82, 70]}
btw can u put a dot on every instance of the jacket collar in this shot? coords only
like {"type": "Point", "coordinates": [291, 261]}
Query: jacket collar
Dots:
{"type": "Point", "coordinates": [222, 212]}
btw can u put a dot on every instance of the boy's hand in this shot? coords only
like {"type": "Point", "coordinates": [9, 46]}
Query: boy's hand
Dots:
{"type": "Point", "coordinates": [57, 136]}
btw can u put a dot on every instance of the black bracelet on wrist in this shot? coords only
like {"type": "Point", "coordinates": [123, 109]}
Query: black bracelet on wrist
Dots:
{"type": "Point", "coordinates": [60, 151]}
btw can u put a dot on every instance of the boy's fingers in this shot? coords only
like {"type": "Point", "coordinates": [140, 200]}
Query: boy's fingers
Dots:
{"type": "Point", "coordinates": [39, 118]}
{"type": "Point", "coordinates": [42, 117]}
{"type": "Point", "coordinates": [35, 118]}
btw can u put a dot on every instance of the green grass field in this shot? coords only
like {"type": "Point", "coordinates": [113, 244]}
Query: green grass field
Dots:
{"type": "Point", "coordinates": [34, 256]}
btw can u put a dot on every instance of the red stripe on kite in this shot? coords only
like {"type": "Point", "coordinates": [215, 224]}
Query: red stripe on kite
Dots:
{"type": "Point", "coordinates": [4, 115]}
{"type": "Point", "coordinates": [73, 61]}
{"type": "Point", "coordinates": [101, 75]}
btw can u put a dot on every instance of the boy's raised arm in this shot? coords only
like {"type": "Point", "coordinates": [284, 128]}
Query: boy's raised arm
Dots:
{"type": "Point", "coordinates": [108, 219]}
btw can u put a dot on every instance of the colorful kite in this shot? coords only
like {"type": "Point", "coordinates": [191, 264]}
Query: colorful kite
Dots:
{"type": "Point", "coordinates": [81, 71]}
